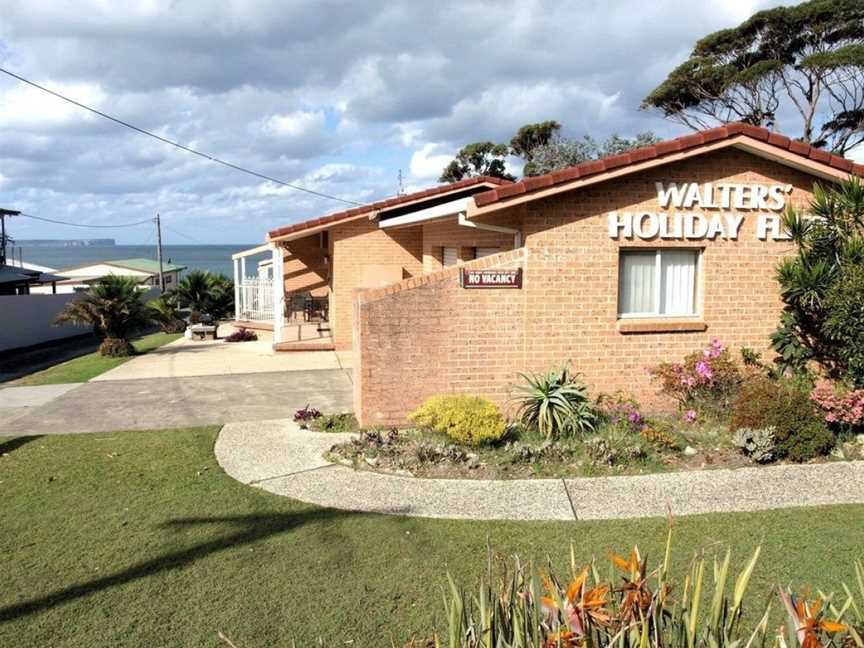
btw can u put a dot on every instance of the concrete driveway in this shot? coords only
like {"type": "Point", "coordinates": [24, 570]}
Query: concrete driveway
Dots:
{"type": "Point", "coordinates": [155, 403]}
{"type": "Point", "coordinates": [211, 358]}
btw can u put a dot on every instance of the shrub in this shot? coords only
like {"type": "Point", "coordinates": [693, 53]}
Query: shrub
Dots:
{"type": "Point", "coordinates": [822, 286]}
{"type": "Point", "coordinates": [242, 335]}
{"type": "Point", "coordinates": [116, 348]}
{"type": "Point", "coordinates": [165, 312]}
{"type": "Point", "coordinates": [621, 411]}
{"type": "Point", "coordinates": [705, 382]}
{"type": "Point", "coordinates": [659, 437]}
{"type": "Point", "coordinates": [784, 405]}
{"type": "Point", "coordinates": [555, 404]}
{"type": "Point", "coordinates": [469, 420]}
{"type": "Point", "coordinates": [305, 415]}
{"type": "Point", "coordinates": [840, 406]}
{"type": "Point", "coordinates": [336, 423]}
{"type": "Point", "coordinates": [759, 445]}
{"type": "Point", "coordinates": [642, 606]}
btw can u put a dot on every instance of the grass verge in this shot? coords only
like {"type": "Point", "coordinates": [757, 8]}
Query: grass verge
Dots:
{"type": "Point", "coordinates": [89, 366]}
{"type": "Point", "coordinates": [139, 539]}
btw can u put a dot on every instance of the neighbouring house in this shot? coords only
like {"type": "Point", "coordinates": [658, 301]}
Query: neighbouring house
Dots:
{"type": "Point", "coordinates": [25, 278]}
{"type": "Point", "coordinates": [613, 265]}
{"type": "Point", "coordinates": [145, 271]}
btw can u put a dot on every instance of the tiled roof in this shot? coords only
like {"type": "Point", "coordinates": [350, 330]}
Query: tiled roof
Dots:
{"type": "Point", "coordinates": [384, 204]}
{"type": "Point", "coordinates": [659, 150]}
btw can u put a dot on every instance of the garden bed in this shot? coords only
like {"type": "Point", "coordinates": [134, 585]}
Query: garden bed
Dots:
{"type": "Point", "coordinates": [420, 453]}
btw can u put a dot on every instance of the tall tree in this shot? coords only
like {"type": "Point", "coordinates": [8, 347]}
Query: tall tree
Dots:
{"type": "Point", "coordinates": [477, 159]}
{"type": "Point", "coordinates": [560, 153]}
{"type": "Point", "coordinates": [531, 136]}
{"type": "Point", "coordinates": [806, 59]}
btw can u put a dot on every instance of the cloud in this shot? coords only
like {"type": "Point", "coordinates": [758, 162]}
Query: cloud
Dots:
{"type": "Point", "coordinates": [426, 165]}
{"type": "Point", "coordinates": [330, 95]}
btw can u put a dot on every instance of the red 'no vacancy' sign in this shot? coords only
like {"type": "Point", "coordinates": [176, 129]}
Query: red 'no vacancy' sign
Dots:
{"type": "Point", "coordinates": [491, 278]}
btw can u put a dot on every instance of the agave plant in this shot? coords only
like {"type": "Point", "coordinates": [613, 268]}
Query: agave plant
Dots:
{"type": "Point", "coordinates": [555, 403]}
{"type": "Point", "coordinates": [114, 308]}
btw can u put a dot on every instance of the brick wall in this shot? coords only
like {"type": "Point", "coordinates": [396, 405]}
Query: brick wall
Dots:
{"type": "Point", "coordinates": [364, 256]}
{"type": "Point", "coordinates": [427, 335]}
{"type": "Point", "coordinates": [450, 234]}
{"type": "Point", "coordinates": [435, 336]}
{"type": "Point", "coordinates": [305, 266]}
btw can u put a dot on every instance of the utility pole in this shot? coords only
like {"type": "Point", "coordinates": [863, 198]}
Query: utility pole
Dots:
{"type": "Point", "coordinates": [3, 214]}
{"type": "Point", "coordinates": [400, 187]}
{"type": "Point", "coordinates": [159, 252]}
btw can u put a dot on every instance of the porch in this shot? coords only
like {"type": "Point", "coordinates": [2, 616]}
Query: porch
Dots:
{"type": "Point", "coordinates": [298, 320]}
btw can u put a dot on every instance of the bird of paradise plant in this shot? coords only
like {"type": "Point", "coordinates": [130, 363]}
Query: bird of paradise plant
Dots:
{"type": "Point", "coordinates": [646, 610]}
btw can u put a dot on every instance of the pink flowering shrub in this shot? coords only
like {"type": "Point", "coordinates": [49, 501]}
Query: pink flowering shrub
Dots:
{"type": "Point", "coordinates": [839, 406]}
{"type": "Point", "coordinates": [620, 410]}
{"type": "Point", "coordinates": [706, 381]}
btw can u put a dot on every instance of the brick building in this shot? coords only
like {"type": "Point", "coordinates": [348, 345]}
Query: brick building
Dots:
{"type": "Point", "coordinates": [615, 265]}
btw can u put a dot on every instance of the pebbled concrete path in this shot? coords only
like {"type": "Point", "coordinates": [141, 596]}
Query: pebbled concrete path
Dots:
{"type": "Point", "coordinates": [278, 457]}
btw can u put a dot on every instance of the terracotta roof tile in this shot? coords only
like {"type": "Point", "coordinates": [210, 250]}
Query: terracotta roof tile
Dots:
{"type": "Point", "coordinates": [596, 167]}
{"type": "Point", "coordinates": [383, 204]}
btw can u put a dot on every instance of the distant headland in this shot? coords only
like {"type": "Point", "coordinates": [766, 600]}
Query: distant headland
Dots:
{"type": "Point", "coordinates": [53, 243]}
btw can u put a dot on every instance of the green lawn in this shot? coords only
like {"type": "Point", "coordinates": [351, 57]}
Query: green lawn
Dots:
{"type": "Point", "coordinates": [139, 539]}
{"type": "Point", "coordinates": [89, 366]}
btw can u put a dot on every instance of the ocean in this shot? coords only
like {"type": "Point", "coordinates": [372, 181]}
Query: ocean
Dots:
{"type": "Point", "coordinates": [215, 258]}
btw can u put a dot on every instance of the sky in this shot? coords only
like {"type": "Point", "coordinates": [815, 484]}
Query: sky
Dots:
{"type": "Point", "coordinates": [337, 97]}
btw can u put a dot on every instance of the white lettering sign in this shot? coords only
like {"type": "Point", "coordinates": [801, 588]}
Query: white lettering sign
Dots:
{"type": "Point", "coordinates": [722, 224]}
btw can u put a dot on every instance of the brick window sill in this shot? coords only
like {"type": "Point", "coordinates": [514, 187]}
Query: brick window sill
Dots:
{"type": "Point", "coordinates": [635, 326]}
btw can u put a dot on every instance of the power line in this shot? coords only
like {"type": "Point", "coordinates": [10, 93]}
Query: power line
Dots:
{"type": "Point", "coordinates": [60, 222]}
{"type": "Point", "coordinates": [211, 158]}
{"type": "Point", "coordinates": [186, 236]}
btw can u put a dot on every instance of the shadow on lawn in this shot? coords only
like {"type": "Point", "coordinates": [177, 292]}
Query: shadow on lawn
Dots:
{"type": "Point", "coordinates": [13, 444]}
{"type": "Point", "coordinates": [251, 529]}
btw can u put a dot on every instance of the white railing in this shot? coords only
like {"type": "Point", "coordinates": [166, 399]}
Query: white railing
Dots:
{"type": "Point", "coordinates": [256, 300]}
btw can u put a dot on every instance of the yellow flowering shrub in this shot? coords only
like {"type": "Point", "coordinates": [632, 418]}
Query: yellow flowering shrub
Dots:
{"type": "Point", "coordinates": [468, 420]}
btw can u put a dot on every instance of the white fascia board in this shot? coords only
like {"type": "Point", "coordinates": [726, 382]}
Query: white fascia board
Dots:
{"type": "Point", "coordinates": [252, 251]}
{"type": "Point", "coordinates": [451, 208]}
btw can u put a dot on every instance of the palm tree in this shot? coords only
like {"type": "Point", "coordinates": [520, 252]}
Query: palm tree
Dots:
{"type": "Point", "coordinates": [222, 297]}
{"type": "Point", "coordinates": [193, 292]}
{"type": "Point", "coordinates": [204, 292]}
{"type": "Point", "coordinates": [166, 313]}
{"type": "Point", "coordinates": [114, 308]}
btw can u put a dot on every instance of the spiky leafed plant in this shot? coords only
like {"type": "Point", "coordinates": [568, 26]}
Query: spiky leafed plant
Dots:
{"type": "Point", "coordinates": [204, 292]}
{"type": "Point", "coordinates": [193, 291]}
{"type": "Point", "coordinates": [221, 297]}
{"type": "Point", "coordinates": [165, 311]}
{"type": "Point", "coordinates": [114, 308]}
{"type": "Point", "coordinates": [829, 238]}
{"type": "Point", "coordinates": [518, 607]}
{"type": "Point", "coordinates": [555, 403]}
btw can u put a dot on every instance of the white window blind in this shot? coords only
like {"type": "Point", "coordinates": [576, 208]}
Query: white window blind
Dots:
{"type": "Point", "coordinates": [678, 273]}
{"type": "Point", "coordinates": [637, 290]}
{"type": "Point", "coordinates": [481, 252]}
{"type": "Point", "coordinates": [657, 282]}
{"type": "Point", "coordinates": [449, 256]}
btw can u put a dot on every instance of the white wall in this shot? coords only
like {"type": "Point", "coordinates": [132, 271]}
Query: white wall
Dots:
{"type": "Point", "coordinates": [26, 320]}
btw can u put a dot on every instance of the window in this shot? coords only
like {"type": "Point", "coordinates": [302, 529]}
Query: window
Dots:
{"type": "Point", "coordinates": [449, 256]}
{"type": "Point", "coordinates": [481, 252]}
{"type": "Point", "coordinates": [653, 283]}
